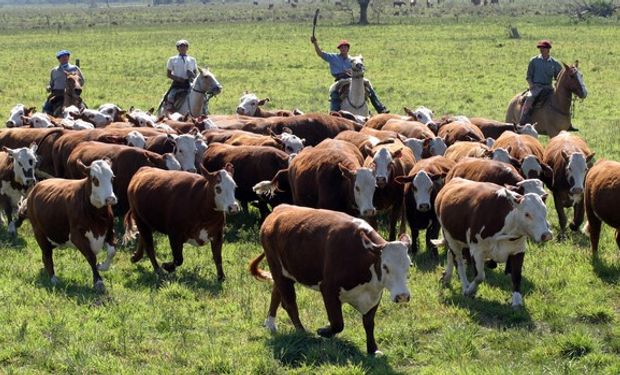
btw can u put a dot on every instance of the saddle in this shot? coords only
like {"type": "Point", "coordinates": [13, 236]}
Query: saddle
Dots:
{"type": "Point", "coordinates": [540, 100]}
{"type": "Point", "coordinates": [179, 98]}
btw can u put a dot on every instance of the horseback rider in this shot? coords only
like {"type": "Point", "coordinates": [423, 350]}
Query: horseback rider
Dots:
{"type": "Point", "coordinates": [340, 68]}
{"type": "Point", "coordinates": [541, 71]}
{"type": "Point", "coordinates": [58, 80]}
{"type": "Point", "coordinates": [181, 69]}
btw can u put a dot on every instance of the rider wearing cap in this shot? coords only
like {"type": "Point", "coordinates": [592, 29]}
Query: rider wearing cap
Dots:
{"type": "Point", "coordinates": [181, 69]}
{"type": "Point", "coordinates": [58, 80]}
{"type": "Point", "coordinates": [541, 72]}
{"type": "Point", "coordinates": [340, 68]}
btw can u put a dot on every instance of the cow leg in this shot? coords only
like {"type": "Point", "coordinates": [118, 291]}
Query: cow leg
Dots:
{"type": "Point", "coordinates": [369, 326]}
{"type": "Point", "coordinates": [476, 253]}
{"type": "Point", "coordinates": [270, 323]}
{"type": "Point", "coordinates": [447, 274]}
{"type": "Point", "coordinates": [395, 213]}
{"type": "Point", "coordinates": [516, 266]}
{"type": "Point", "coordinates": [263, 209]}
{"type": "Point", "coordinates": [578, 212]}
{"type": "Point", "coordinates": [176, 245]}
{"type": "Point", "coordinates": [414, 240]}
{"type": "Point", "coordinates": [593, 228]}
{"type": "Point", "coordinates": [46, 254]}
{"type": "Point", "coordinates": [146, 243]}
{"type": "Point", "coordinates": [8, 213]}
{"type": "Point", "coordinates": [216, 251]}
{"type": "Point", "coordinates": [83, 245]}
{"type": "Point", "coordinates": [286, 288]}
{"type": "Point", "coordinates": [333, 306]}
{"type": "Point", "coordinates": [431, 233]}
{"type": "Point", "coordinates": [561, 214]}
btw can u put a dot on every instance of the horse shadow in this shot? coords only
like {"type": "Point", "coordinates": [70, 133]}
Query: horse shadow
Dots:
{"type": "Point", "coordinates": [190, 278]}
{"type": "Point", "coordinates": [299, 349]}
{"type": "Point", "coordinates": [608, 273]}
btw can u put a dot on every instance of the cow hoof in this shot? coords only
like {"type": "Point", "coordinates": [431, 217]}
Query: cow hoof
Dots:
{"type": "Point", "coordinates": [169, 266]}
{"type": "Point", "coordinates": [99, 286]}
{"type": "Point", "coordinates": [103, 267]}
{"type": "Point", "coordinates": [325, 332]}
{"type": "Point", "coordinates": [573, 227]}
{"type": "Point", "coordinates": [221, 278]}
{"type": "Point", "coordinates": [136, 258]}
{"type": "Point", "coordinates": [377, 354]}
{"type": "Point", "coordinates": [270, 324]}
{"type": "Point", "coordinates": [54, 280]}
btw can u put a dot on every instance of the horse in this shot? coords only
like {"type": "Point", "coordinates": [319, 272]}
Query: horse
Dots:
{"type": "Point", "coordinates": [195, 103]}
{"type": "Point", "coordinates": [353, 90]}
{"type": "Point", "coordinates": [555, 113]}
{"type": "Point", "coordinates": [71, 95]}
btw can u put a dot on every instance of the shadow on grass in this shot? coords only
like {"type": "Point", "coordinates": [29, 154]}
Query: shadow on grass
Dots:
{"type": "Point", "coordinates": [608, 273]}
{"type": "Point", "coordinates": [243, 226]}
{"type": "Point", "coordinates": [9, 242]}
{"type": "Point", "coordinates": [190, 278]}
{"type": "Point", "coordinates": [304, 349]}
{"type": "Point", "coordinates": [82, 294]}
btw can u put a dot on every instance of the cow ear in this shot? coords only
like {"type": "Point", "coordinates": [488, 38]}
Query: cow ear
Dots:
{"type": "Point", "coordinates": [83, 169]}
{"type": "Point", "coordinates": [590, 159]}
{"type": "Point", "coordinates": [366, 150]}
{"type": "Point", "coordinates": [346, 172]}
{"type": "Point", "coordinates": [210, 176]}
{"type": "Point", "coordinates": [31, 110]}
{"type": "Point", "coordinates": [8, 151]}
{"type": "Point", "coordinates": [369, 245]}
{"type": "Point", "coordinates": [514, 198]}
{"type": "Point", "coordinates": [546, 170]}
{"type": "Point", "coordinates": [403, 179]}
{"type": "Point", "coordinates": [397, 154]}
{"type": "Point", "coordinates": [277, 139]}
{"type": "Point", "coordinates": [565, 155]}
{"type": "Point", "coordinates": [286, 129]}
{"type": "Point", "coordinates": [263, 101]}
{"type": "Point", "coordinates": [405, 239]}
{"type": "Point", "coordinates": [108, 161]}
{"type": "Point", "coordinates": [410, 112]}
{"type": "Point", "coordinates": [230, 169]}
{"type": "Point", "coordinates": [438, 179]}
{"type": "Point", "coordinates": [34, 147]}
{"type": "Point", "coordinates": [151, 111]}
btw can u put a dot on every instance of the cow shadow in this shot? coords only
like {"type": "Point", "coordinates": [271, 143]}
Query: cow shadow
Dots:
{"type": "Point", "coordinates": [608, 273]}
{"type": "Point", "coordinates": [9, 242]}
{"type": "Point", "coordinates": [243, 226]}
{"type": "Point", "coordinates": [305, 349]}
{"type": "Point", "coordinates": [81, 293]}
{"type": "Point", "coordinates": [191, 278]}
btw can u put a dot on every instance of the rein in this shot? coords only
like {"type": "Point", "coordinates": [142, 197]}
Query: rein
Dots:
{"type": "Point", "coordinates": [349, 93]}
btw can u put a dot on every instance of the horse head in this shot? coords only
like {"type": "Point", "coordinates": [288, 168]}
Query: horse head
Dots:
{"type": "Point", "coordinates": [73, 90]}
{"type": "Point", "coordinates": [357, 66]}
{"type": "Point", "coordinates": [572, 80]}
{"type": "Point", "coordinates": [206, 82]}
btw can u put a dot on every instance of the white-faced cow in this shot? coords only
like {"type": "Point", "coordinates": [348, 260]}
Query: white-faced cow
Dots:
{"type": "Point", "coordinates": [16, 115]}
{"type": "Point", "coordinates": [493, 223]}
{"type": "Point", "coordinates": [250, 105]}
{"type": "Point", "coordinates": [528, 152]}
{"type": "Point", "coordinates": [339, 255]}
{"type": "Point", "coordinates": [602, 199]}
{"type": "Point", "coordinates": [16, 178]}
{"type": "Point", "coordinates": [76, 213]}
{"type": "Point", "coordinates": [187, 207]}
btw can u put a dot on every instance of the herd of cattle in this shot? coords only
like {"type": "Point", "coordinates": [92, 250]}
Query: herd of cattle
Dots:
{"type": "Point", "coordinates": [327, 178]}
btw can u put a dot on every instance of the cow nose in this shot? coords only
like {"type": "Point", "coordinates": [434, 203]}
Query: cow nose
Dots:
{"type": "Point", "coordinates": [233, 208]}
{"type": "Point", "coordinates": [10, 124]}
{"type": "Point", "coordinates": [240, 111]}
{"type": "Point", "coordinates": [576, 190]}
{"type": "Point", "coordinates": [369, 212]}
{"type": "Point", "coordinates": [402, 298]}
{"type": "Point", "coordinates": [381, 181]}
{"type": "Point", "coordinates": [547, 236]}
{"type": "Point", "coordinates": [424, 207]}
{"type": "Point", "coordinates": [110, 200]}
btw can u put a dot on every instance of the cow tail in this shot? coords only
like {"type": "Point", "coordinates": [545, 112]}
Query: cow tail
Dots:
{"type": "Point", "coordinates": [22, 212]}
{"type": "Point", "coordinates": [439, 242]}
{"type": "Point", "coordinates": [267, 188]}
{"type": "Point", "coordinates": [257, 272]}
{"type": "Point", "coordinates": [130, 229]}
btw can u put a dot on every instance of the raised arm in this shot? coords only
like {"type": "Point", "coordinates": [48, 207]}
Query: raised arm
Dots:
{"type": "Point", "coordinates": [317, 49]}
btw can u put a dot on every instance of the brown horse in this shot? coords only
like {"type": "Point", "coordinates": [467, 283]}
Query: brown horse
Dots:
{"type": "Point", "coordinates": [73, 91]}
{"type": "Point", "coordinates": [554, 115]}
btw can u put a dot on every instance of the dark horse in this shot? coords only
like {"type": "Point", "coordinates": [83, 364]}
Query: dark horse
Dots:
{"type": "Point", "coordinates": [71, 95]}
{"type": "Point", "coordinates": [554, 115]}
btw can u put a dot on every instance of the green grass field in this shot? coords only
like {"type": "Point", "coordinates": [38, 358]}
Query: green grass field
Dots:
{"type": "Point", "coordinates": [190, 323]}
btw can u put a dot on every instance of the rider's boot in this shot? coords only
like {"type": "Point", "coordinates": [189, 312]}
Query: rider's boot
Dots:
{"type": "Point", "coordinates": [374, 99]}
{"type": "Point", "coordinates": [526, 112]}
{"type": "Point", "coordinates": [335, 102]}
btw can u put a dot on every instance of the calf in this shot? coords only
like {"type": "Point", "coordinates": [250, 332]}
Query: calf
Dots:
{"type": "Point", "coordinates": [569, 156]}
{"type": "Point", "coordinates": [335, 253]}
{"type": "Point", "coordinates": [422, 184]}
{"type": "Point", "coordinates": [114, 111]}
{"type": "Point", "coordinates": [77, 213]}
{"type": "Point", "coordinates": [425, 148]}
{"type": "Point", "coordinates": [602, 199]}
{"type": "Point", "coordinates": [493, 223]}
{"type": "Point", "coordinates": [16, 178]}
{"type": "Point", "coordinates": [187, 207]}
{"type": "Point", "coordinates": [125, 163]}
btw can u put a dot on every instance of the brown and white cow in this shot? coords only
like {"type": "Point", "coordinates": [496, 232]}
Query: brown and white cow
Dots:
{"type": "Point", "coordinates": [528, 152]}
{"type": "Point", "coordinates": [460, 131]}
{"type": "Point", "coordinates": [125, 160]}
{"type": "Point", "coordinates": [422, 184]}
{"type": "Point", "coordinates": [182, 146]}
{"type": "Point", "coordinates": [426, 148]}
{"type": "Point", "coordinates": [363, 142]}
{"type": "Point", "coordinates": [339, 255]}
{"type": "Point", "coordinates": [602, 199]}
{"type": "Point", "coordinates": [493, 223]}
{"type": "Point", "coordinates": [409, 129]}
{"type": "Point", "coordinates": [187, 207]}
{"type": "Point", "coordinates": [494, 129]}
{"type": "Point", "coordinates": [464, 149]}
{"type": "Point", "coordinates": [16, 178]}
{"type": "Point", "coordinates": [329, 176]}
{"type": "Point", "coordinates": [77, 213]}
{"type": "Point", "coordinates": [570, 157]}
{"type": "Point", "coordinates": [250, 105]}
{"type": "Point", "coordinates": [43, 138]}
{"type": "Point", "coordinates": [16, 115]}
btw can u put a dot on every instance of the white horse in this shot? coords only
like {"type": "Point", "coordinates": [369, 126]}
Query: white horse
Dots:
{"type": "Point", "coordinates": [196, 102]}
{"type": "Point", "coordinates": [355, 101]}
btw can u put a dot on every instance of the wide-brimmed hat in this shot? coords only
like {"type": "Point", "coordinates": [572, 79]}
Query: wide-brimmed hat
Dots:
{"type": "Point", "coordinates": [343, 42]}
{"type": "Point", "coordinates": [182, 42]}
{"type": "Point", "coordinates": [62, 53]}
{"type": "Point", "coordinates": [544, 44]}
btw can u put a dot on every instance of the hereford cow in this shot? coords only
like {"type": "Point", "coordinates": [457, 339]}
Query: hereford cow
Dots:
{"type": "Point", "coordinates": [363, 142]}
{"type": "Point", "coordinates": [17, 114]}
{"type": "Point", "coordinates": [182, 146]}
{"type": "Point", "coordinates": [422, 184]}
{"type": "Point", "coordinates": [289, 143]}
{"type": "Point", "coordinates": [125, 163]}
{"type": "Point", "coordinates": [569, 156]}
{"type": "Point", "coordinates": [43, 138]}
{"type": "Point", "coordinates": [252, 164]}
{"type": "Point", "coordinates": [426, 148]}
{"type": "Point", "coordinates": [493, 223]}
{"type": "Point", "coordinates": [16, 178]}
{"type": "Point", "coordinates": [114, 111]}
{"type": "Point", "coordinates": [250, 105]}
{"type": "Point", "coordinates": [494, 129]}
{"type": "Point", "coordinates": [464, 149]}
{"type": "Point", "coordinates": [38, 120]}
{"type": "Point", "coordinates": [187, 207]}
{"type": "Point", "coordinates": [335, 253]}
{"type": "Point", "coordinates": [460, 131]}
{"type": "Point", "coordinates": [329, 176]}
{"type": "Point", "coordinates": [528, 152]}
{"type": "Point", "coordinates": [602, 199]}
{"type": "Point", "coordinates": [77, 213]}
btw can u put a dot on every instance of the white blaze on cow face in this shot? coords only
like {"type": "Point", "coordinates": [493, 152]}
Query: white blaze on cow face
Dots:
{"type": "Point", "coordinates": [248, 104]}
{"type": "Point", "coordinates": [201, 148]}
{"type": "Point", "coordinates": [529, 216]}
{"type": "Point", "coordinates": [172, 164]}
{"type": "Point", "coordinates": [395, 263]}
{"type": "Point", "coordinates": [24, 162]}
{"type": "Point", "coordinates": [136, 139]}
{"type": "Point", "coordinates": [15, 116]}
{"type": "Point", "coordinates": [143, 119]}
{"type": "Point", "coordinates": [534, 186]}
{"type": "Point", "coordinates": [424, 115]}
{"type": "Point", "coordinates": [528, 129]}
{"type": "Point", "coordinates": [96, 118]}
{"type": "Point", "coordinates": [500, 154]}
{"type": "Point", "coordinates": [422, 186]}
{"type": "Point", "coordinates": [71, 112]}
{"type": "Point", "coordinates": [530, 166]}
{"type": "Point", "coordinates": [576, 172]}
{"type": "Point", "coordinates": [437, 146]}
{"type": "Point", "coordinates": [364, 190]}
{"type": "Point", "coordinates": [102, 194]}
{"type": "Point", "coordinates": [224, 190]}
{"type": "Point", "coordinates": [292, 143]}
{"type": "Point", "coordinates": [40, 120]}
{"type": "Point", "coordinates": [416, 146]}
{"type": "Point", "coordinates": [111, 110]}
{"type": "Point", "coordinates": [382, 160]}
{"type": "Point", "coordinates": [185, 152]}
{"type": "Point", "coordinates": [80, 124]}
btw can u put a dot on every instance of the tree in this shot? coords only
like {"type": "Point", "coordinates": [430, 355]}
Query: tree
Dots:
{"type": "Point", "coordinates": [363, 11]}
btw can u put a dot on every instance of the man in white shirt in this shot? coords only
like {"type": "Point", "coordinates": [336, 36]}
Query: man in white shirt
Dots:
{"type": "Point", "coordinates": [181, 69]}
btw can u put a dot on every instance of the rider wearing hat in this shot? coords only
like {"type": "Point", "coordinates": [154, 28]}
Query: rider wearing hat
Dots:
{"type": "Point", "coordinates": [58, 80]}
{"type": "Point", "coordinates": [181, 69]}
{"type": "Point", "coordinates": [340, 68]}
{"type": "Point", "coordinates": [541, 72]}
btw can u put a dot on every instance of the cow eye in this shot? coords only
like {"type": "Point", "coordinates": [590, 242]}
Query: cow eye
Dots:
{"type": "Point", "coordinates": [357, 188]}
{"type": "Point", "coordinates": [386, 269]}
{"type": "Point", "coordinates": [95, 181]}
{"type": "Point", "coordinates": [218, 190]}
{"type": "Point", "coordinates": [527, 215]}
{"type": "Point", "coordinates": [30, 161]}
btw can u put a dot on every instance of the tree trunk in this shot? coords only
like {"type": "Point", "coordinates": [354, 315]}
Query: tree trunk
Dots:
{"type": "Point", "coordinates": [363, 11]}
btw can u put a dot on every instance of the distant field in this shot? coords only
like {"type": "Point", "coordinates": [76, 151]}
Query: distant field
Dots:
{"type": "Point", "coordinates": [188, 322]}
